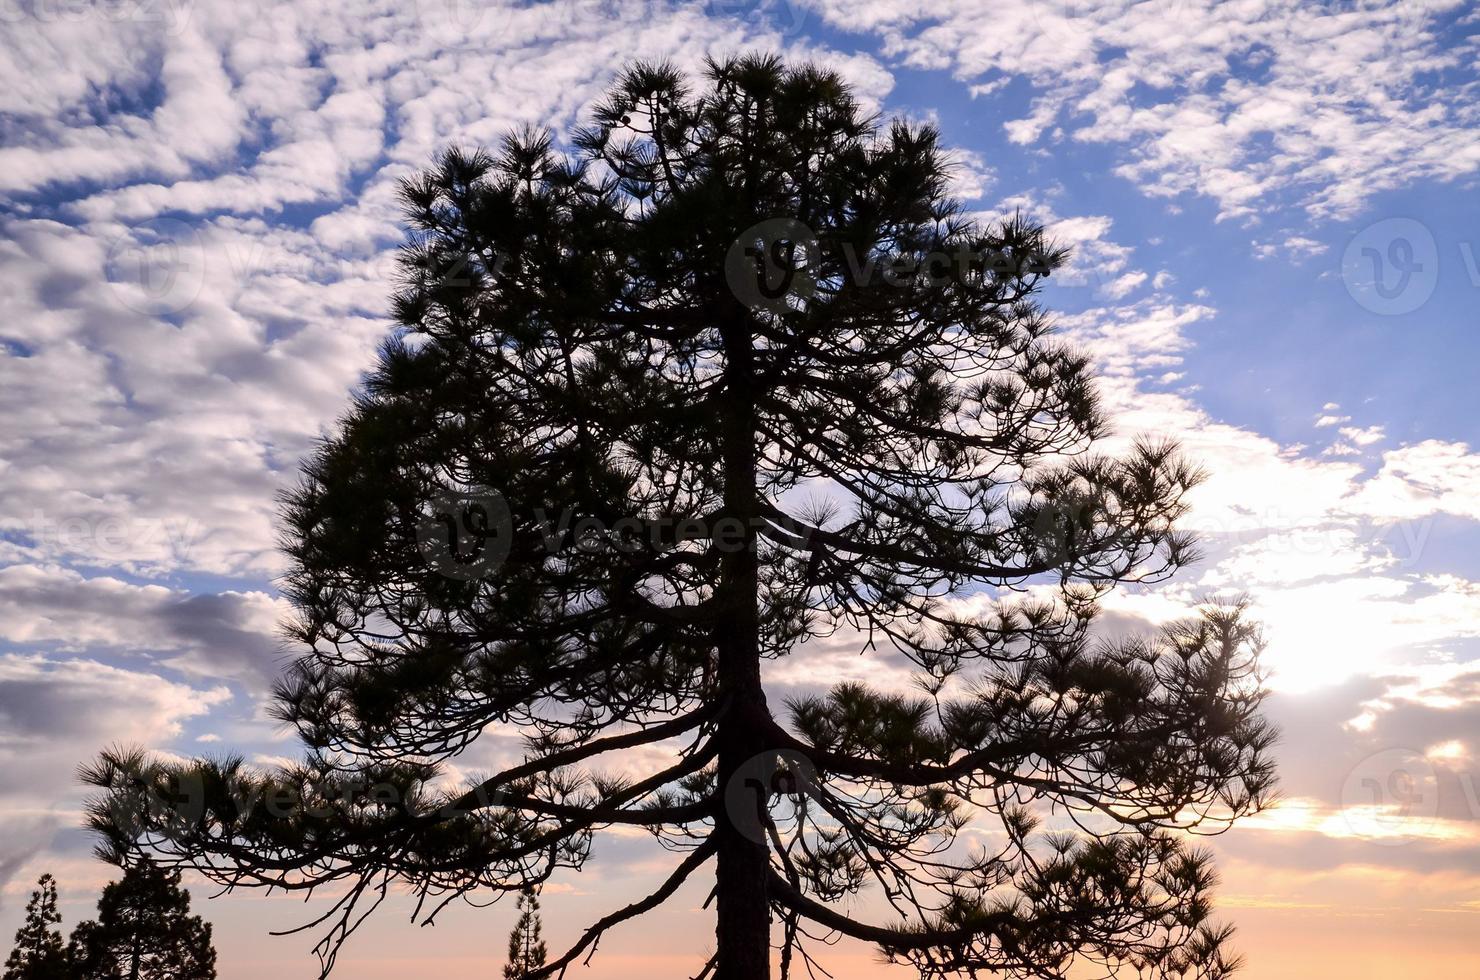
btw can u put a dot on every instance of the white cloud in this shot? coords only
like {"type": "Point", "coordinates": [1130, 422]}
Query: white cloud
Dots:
{"type": "Point", "coordinates": [1366, 436]}
{"type": "Point", "coordinates": [1237, 101]}
{"type": "Point", "coordinates": [177, 371]}
{"type": "Point", "coordinates": [1430, 477]}
{"type": "Point", "coordinates": [55, 713]}
{"type": "Point", "coordinates": [1329, 554]}
{"type": "Point", "coordinates": [222, 635]}
{"type": "Point", "coordinates": [1095, 259]}
{"type": "Point", "coordinates": [1122, 286]}
{"type": "Point", "coordinates": [970, 175]}
{"type": "Point", "coordinates": [1293, 248]}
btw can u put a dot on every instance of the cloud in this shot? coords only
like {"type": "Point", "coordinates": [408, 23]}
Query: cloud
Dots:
{"type": "Point", "coordinates": [1366, 806]}
{"type": "Point", "coordinates": [1293, 247]}
{"type": "Point", "coordinates": [150, 439]}
{"type": "Point", "coordinates": [1427, 478]}
{"type": "Point", "coordinates": [1332, 555]}
{"type": "Point", "coordinates": [1366, 436]}
{"type": "Point", "coordinates": [183, 347]}
{"type": "Point", "coordinates": [1123, 286]}
{"type": "Point", "coordinates": [1354, 441]}
{"type": "Point", "coordinates": [212, 635]}
{"type": "Point", "coordinates": [1095, 259]}
{"type": "Point", "coordinates": [196, 122]}
{"type": "Point", "coordinates": [55, 713]}
{"type": "Point", "coordinates": [970, 174]}
{"type": "Point", "coordinates": [1244, 103]}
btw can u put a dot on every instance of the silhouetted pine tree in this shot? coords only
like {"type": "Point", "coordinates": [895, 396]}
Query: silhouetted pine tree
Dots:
{"type": "Point", "coordinates": [39, 953]}
{"type": "Point", "coordinates": [526, 949]}
{"type": "Point", "coordinates": [144, 931]}
{"type": "Point", "coordinates": [737, 374]}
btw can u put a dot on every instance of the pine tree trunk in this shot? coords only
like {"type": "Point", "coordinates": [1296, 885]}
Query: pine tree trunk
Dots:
{"type": "Point", "coordinates": [743, 922]}
{"type": "Point", "coordinates": [743, 926]}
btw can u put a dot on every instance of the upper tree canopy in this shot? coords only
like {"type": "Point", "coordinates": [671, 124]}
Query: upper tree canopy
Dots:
{"type": "Point", "coordinates": [734, 374]}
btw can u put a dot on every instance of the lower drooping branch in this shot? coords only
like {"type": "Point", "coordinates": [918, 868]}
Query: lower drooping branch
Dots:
{"type": "Point", "coordinates": [665, 891]}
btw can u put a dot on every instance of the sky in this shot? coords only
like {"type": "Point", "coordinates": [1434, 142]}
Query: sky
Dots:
{"type": "Point", "coordinates": [1276, 227]}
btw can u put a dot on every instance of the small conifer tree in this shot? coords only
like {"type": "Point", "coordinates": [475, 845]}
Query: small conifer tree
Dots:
{"type": "Point", "coordinates": [39, 953]}
{"type": "Point", "coordinates": [144, 931]}
{"type": "Point", "coordinates": [526, 948]}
